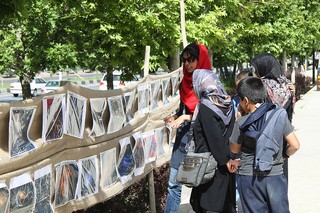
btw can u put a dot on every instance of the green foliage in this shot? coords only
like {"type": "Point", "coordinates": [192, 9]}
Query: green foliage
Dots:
{"type": "Point", "coordinates": [109, 35]}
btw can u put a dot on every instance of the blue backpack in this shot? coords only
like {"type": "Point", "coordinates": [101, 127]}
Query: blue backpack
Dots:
{"type": "Point", "coordinates": [265, 126]}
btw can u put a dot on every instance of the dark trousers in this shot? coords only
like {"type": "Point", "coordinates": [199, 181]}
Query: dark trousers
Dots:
{"type": "Point", "coordinates": [264, 194]}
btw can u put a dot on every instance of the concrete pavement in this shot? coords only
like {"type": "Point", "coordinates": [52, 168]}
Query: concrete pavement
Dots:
{"type": "Point", "coordinates": [304, 172]}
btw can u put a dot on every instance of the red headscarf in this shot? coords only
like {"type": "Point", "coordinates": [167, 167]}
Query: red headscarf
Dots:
{"type": "Point", "coordinates": [186, 91]}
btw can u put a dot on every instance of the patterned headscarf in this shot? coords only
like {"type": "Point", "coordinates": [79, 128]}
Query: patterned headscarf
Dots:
{"type": "Point", "coordinates": [209, 89]}
{"type": "Point", "coordinates": [186, 91]}
{"type": "Point", "coordinates": [269, 69]}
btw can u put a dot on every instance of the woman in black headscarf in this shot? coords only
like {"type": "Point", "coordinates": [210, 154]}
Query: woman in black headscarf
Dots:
{"type": "Point", "coordinates": [280, 90]}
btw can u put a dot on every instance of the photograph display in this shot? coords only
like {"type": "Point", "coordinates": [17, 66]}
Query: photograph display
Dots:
{"type": "Point", "coordinates": [108, 168]}
{"type": "Point", "coordinates": [88, 169]}
{"type": "Point", "coordinates": [76, 112]}
{"type": "Point", "coordinates": [138, 153]}
{"type": "Point", "coordinates": [43, 185]}
{"type": "Point", "coordinates": [19, 125]}
{"type": "Point", "coordinates": [126, 163]}
{"type": "Point", "coordinates": [154, 94]}
{"type": "Point", "coordinates": [22, 194]}
{"type": "Point", "coordinates": [159, 134]}
{"type": "Point", "coordinates": [165, 87]}
{"type": "Point", "coordinates": [175, 84]}
{"type": "Point", "coordinates": [98, 107]}
{"type": "Point", "coordinates": [143, 99]}
{"type": "Point", "coordinates": [150, 145]}
{"type": "Point", "coordinates": [53, 116]}
{"type": "Point", "coordinates": [117, 116]}
{"type": "Point", "coordinates": [67, 173]}
{"type": "Point", "coordinates": [4, 197]}
{"type": "Point", "coordinates": [129, 98]}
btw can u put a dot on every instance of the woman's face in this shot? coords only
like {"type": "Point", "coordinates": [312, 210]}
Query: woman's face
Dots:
{"type": "Point", "coordinates": [189, 62]}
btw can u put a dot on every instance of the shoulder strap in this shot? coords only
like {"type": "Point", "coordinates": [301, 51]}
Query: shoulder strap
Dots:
{"type": "Point", "coordinates": [257, 114]}
{"type": "Point", "coordinates": [267, 121]}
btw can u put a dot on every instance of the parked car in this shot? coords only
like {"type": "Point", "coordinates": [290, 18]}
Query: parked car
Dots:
{"type": "Point", "coordinates": [116, 81]}
{"type": "Point", "coordinates": [8, 73]}
{"type": "Point", "coordinates": [52, 85]}
{"type": "Point", "coordinates": [35, 86]}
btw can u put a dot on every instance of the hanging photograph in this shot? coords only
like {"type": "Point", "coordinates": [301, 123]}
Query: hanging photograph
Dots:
{"type": "Point", "coordinates": [117, 116]}
{"type": "Point", "coordinates": [4, 197]}
{"type": "Point", "coordinates": [76, 113]}
{"type": "Point", "coordinates": [53, 116]}
{"type": "Point", "coordinates": [19, 125]}
{"type": "Point", "coordinates": [150, 145]}
{"type": "Point", "coordinates": [138, 153]}
{"type": "Point", "coordinates": [129, 98]}
{"type": "Point", "coordinates": [22, 194]}
{"type": "Point", "coordinates": [108, 168]}
{"type": "Point", "coordinates": [126, 163]}
{"type": "Point", "coordinates": [159, 134]}
{"type": "Point", "coordinates": [143, 99]}
{"type": "Point", "coordinates": [43, 184]}
{"type": "Point", "coordinates": [88, 170]}
{"type": "Point", "coordinates": [165, 88]}
{"type": "Point", "coordinates": [154, 94]}
{"type": "Point", "coordinates": [98, 107]}
{"type": "Point", "coordinates": [175, 84]}
{"type": "Point", "coordinates": [67, 173]}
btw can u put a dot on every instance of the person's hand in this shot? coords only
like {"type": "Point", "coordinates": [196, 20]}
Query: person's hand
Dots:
{"type": "Point", "coordinates": [177, 122]}
{"type": "Point", "coordinates": [169, 119]}
{"type": "Point", "coordinates": [292, 88]}
{"type": "Point", "coordinates": [232, 165]}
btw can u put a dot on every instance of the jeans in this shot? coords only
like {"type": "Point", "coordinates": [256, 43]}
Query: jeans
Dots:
{"type": "Point", "coordinates": [174, 193]}
{"type": "Point", "coordinates": [264, 194]}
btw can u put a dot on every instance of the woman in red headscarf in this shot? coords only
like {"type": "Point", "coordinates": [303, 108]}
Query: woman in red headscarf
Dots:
{"type": "Point", "coordinates": [194, 56]}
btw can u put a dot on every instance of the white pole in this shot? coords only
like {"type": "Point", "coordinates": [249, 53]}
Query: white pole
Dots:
{"type": "Point", "coordinates": [183, 24]}
{"type": "Point", "coordinates": [146, 62]}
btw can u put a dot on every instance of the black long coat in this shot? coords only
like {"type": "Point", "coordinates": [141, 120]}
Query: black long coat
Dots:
{"type": "Point", "coordinates": [208, 132]}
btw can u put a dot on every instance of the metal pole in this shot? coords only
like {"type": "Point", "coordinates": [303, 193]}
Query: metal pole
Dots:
{"type": "Point", "coordinates": [183, 24]}
{"type": "Point", "coordinates": [313, 66]}
{"type": "Point", "coordinates": [146, 62]}
{"type": "Point", "coordinates": [152, 196]}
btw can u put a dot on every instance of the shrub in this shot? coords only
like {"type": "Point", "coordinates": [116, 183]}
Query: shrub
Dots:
{"type": "Point", "coordinates": [135, 198]}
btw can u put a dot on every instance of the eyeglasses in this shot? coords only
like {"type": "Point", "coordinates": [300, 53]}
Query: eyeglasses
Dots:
{"type": "Point", "coordinates": [189, 59]}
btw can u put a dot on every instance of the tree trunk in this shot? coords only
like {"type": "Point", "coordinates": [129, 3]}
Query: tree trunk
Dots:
{"type": "Point", "coordinates": [226, 72]}
{"type": "Point", "coordinates": [284, 62]}
{"type": "Point", "coordinates": [175, 61]}
{"type": "Point", "coordinates": [110, 80]}
{"type": "Point", "coordinates": [293, 71]}
{"type": "Point", "coordinates": [25, 86]}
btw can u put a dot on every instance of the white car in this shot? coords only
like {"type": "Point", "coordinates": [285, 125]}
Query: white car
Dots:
{"type": "Point", "coordinates": [52, 85]}
{"type": "Point", "coordinates": [116, 81]}
{"type": "Point", "coordinates": [35, 86]}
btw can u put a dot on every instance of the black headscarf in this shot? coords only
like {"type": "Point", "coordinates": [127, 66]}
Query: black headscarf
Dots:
{"type": "Point", "coordinates": [266, 65]}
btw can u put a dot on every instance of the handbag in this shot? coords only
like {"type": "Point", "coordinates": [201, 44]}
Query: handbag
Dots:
{"type": "Point", "coordinates": [196, 168]}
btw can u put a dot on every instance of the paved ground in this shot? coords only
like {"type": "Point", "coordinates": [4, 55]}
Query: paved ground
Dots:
{"type": "Point", "coordinates": [304, 171]}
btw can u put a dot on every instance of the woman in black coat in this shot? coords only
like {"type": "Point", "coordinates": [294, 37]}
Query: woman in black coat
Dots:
{"type": "Point", "coordinates": [213, 118]}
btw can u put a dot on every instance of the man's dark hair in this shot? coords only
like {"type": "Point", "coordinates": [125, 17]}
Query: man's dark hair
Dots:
{"type": "Point", "coordinates": [253, 89]}
{"type": "Point", "coordinates": [193, 50]}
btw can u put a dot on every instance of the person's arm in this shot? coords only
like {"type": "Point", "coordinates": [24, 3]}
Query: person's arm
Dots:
{"type": "Point", "coordinates": [217, 144]}
{"type": "Point", "coordinates": [234, 148]}
{"type": "Point", "coordinates": [293, 144]}
{"type": "Point", "coordinates": [177, 122]}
